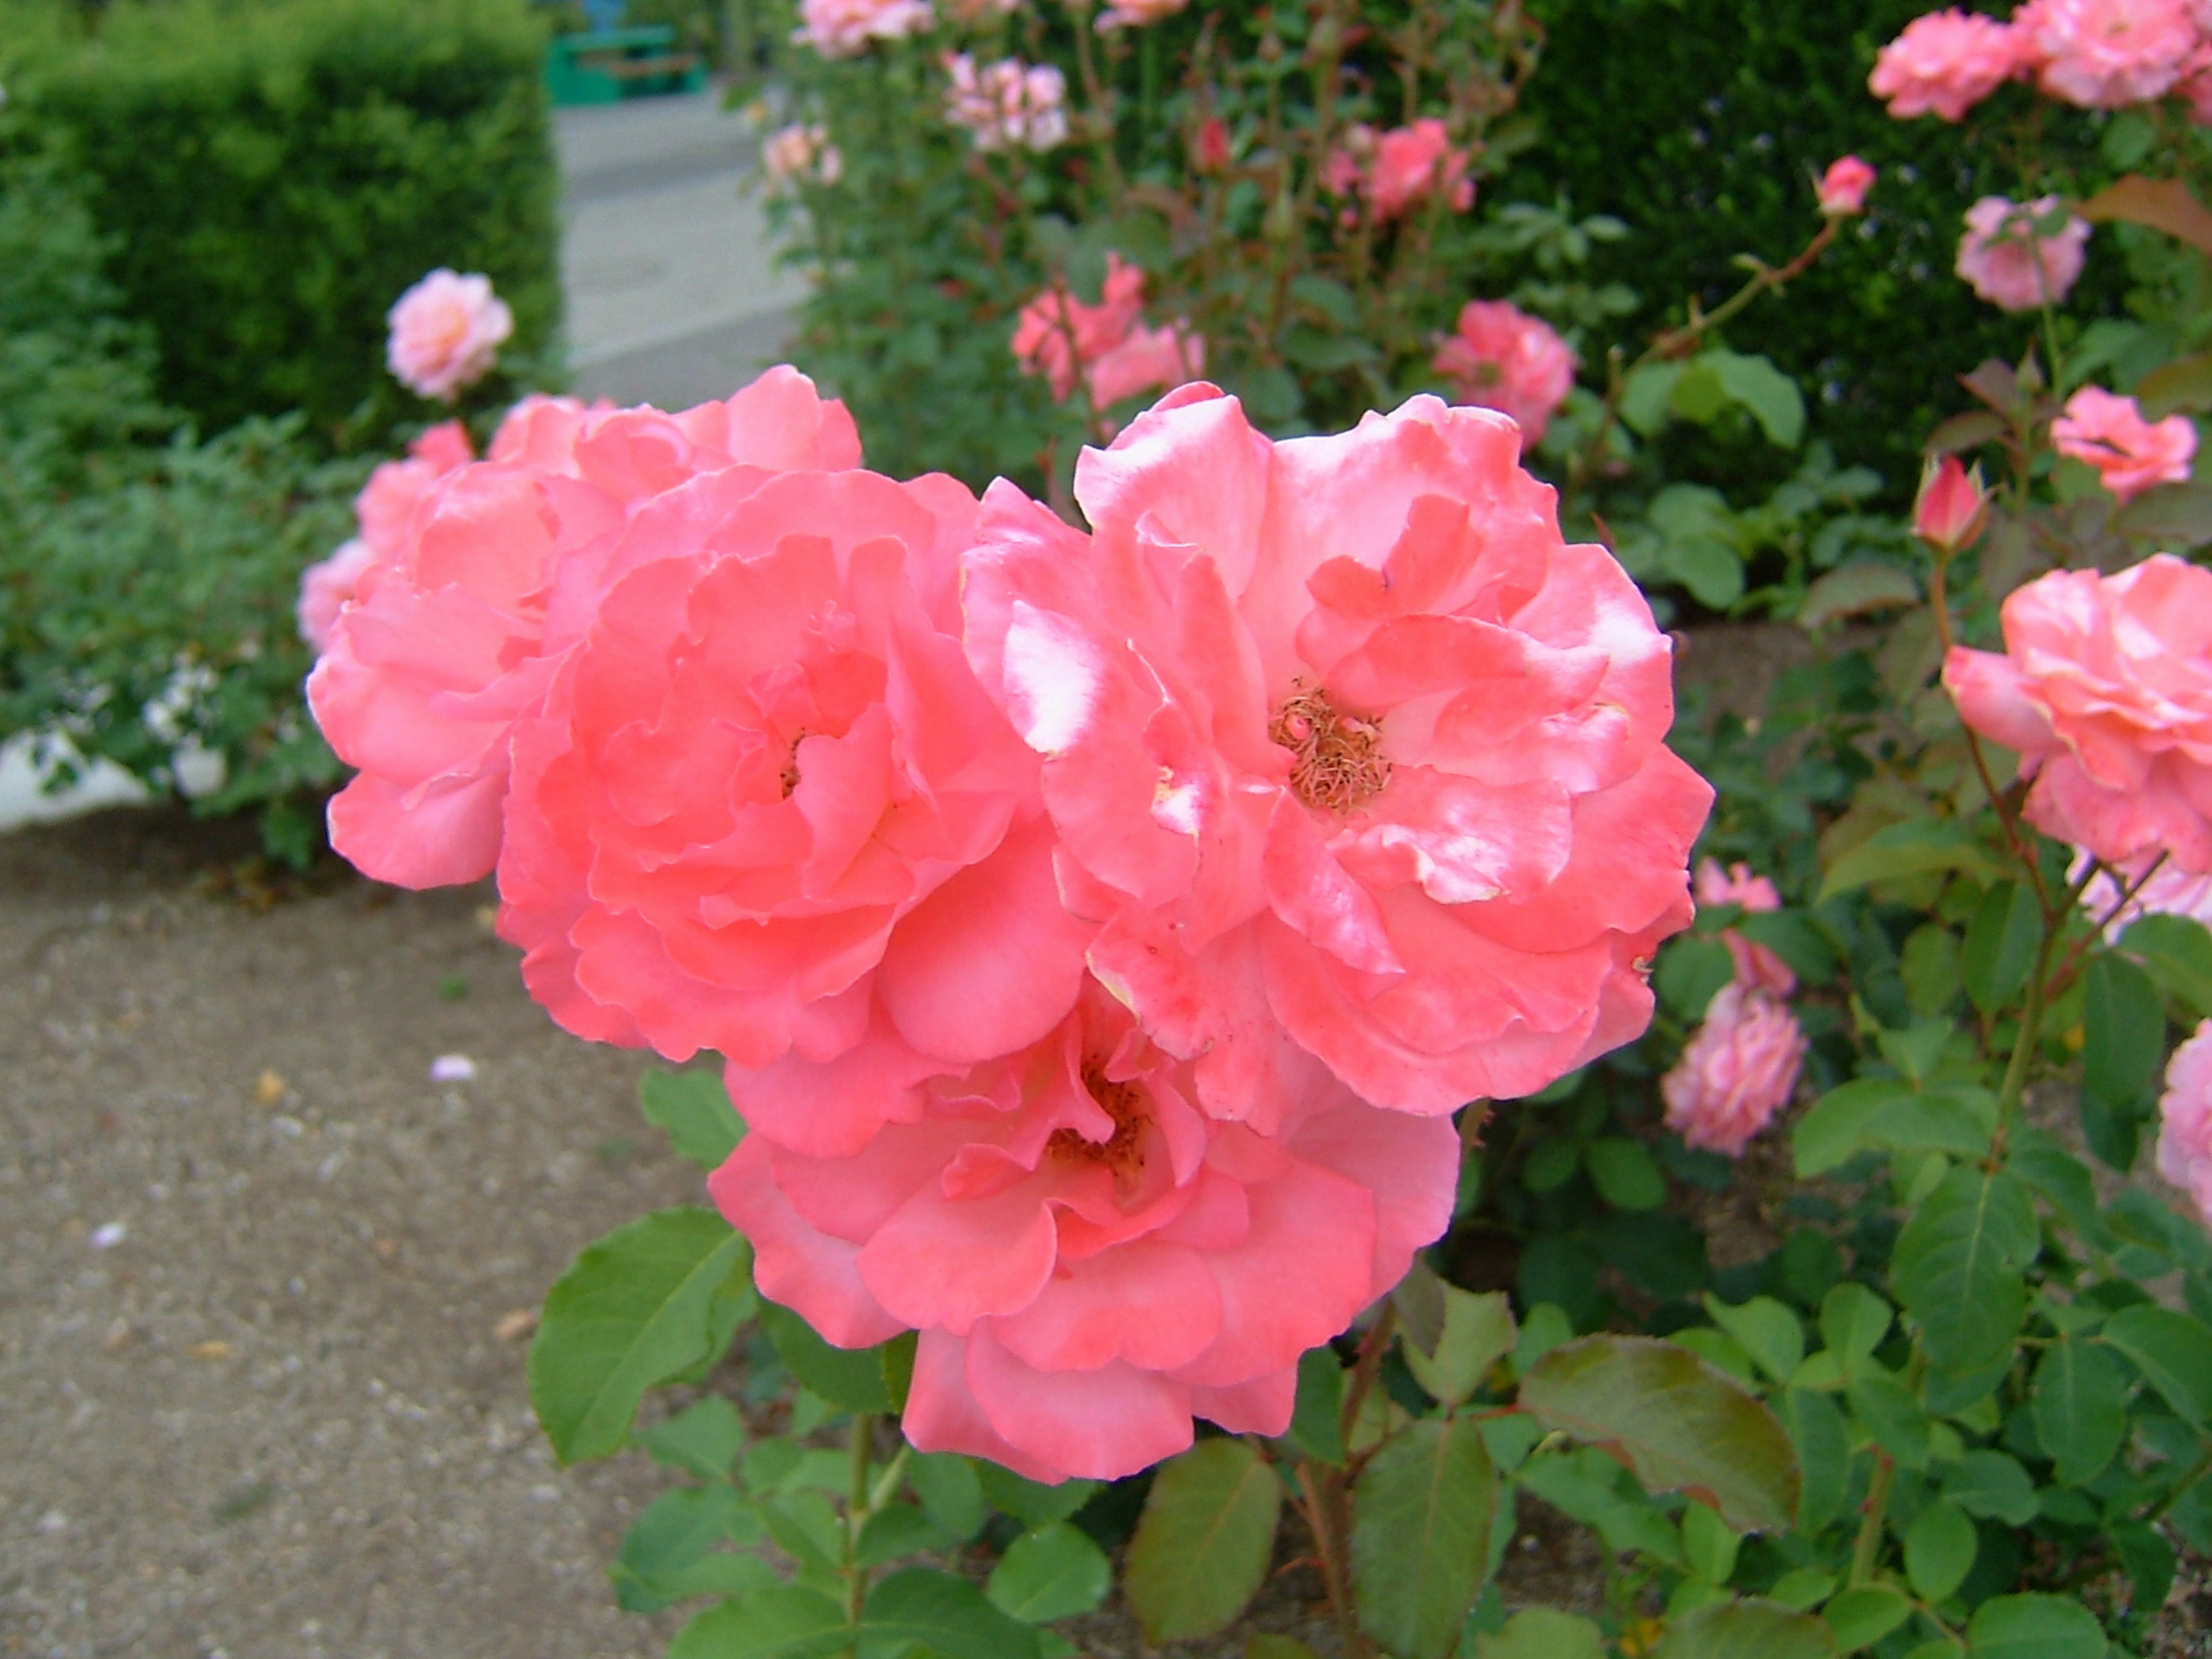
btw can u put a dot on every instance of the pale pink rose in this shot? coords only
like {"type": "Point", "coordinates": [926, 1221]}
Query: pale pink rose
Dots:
{"type": "Point", "coordinates": [1148, 360]}
{"type": "Point", "coordinates": [2169, 891]}
{"type": "Point", "coordinates": [801, 152]}
{"type": "Point", "coordinates": [2107, 54]}
{"type": "Point", "coordinates": [1737, 1071]}
{"type": "Point", "coordinates": [1343, 743]}
{"type": "Point", "coordinates": [1345, 170]}
{"type": "Point", "coordinates": [2184, 1121]}
{"type": "Point", "coordinates": [1091, 1259]}
{"type": "Point", "coordinates": [1843, 188]}
{"type": "Point", "coordinates": [768, 806]}
{"type": "Point", "coordinates": [1398, 170]}
{"type": "Point", "coordinates": [2195, 87]}
{"type": "Point", "coordinates": [1502, 358]}
{"type": "Point", "coordinates": [2130, 454]}
{"type": "Point", "coordinates": [446, 332]}
{"type": "Point", "coordinates": [1944, 64]}
{"type": "Point", "coordinates": [1757, 967]}
{"type": "Point", "coordinates": [382, 512]}
{"type": "Point", "coordinates": [1008, 105]}
{"type": "Point", "coordinates": [1952, 507]}
{"type": "Point", "coordinates": [1059, 336]}
{"type": "Point", "coordinates": [456, 628]}
{"type": "Point", "coordinates": [843, 28]}
{"type": "Point", "coordinates": [1137, 14]}
{"type": "Point", "coordinates": [2104, 691]}
{"type": "Point", "coordinates": [972, 14]}
{"type": "Point", "coordinates": [2012, 266]}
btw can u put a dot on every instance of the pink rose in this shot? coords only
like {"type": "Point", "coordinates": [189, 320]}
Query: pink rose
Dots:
{"type": "Point", "coordinates": [1137, 14]}
{"type": "Point", "coordinates": [801, 152]}
{"type": "Point", "coordinates": [1843, 188]}
{"type": "Point", "coordinates": [1502, 358]}
{"type": "Point", "coordinates": [2106, 54]}
{"type": "Point", "coordinates": [2130, 454]}
{"type": "Point", "coordinates": [1757, 967]}
{"type": "Point", "coordinates": [1952, 507]}
{"type": "Point", "coordinates": [843, 28]}
{"type": "Point", "coordinates": [457, 626]}
{"type": "Point", "coordinates": [2169, 891]}
{"type": "Point", "coordinates": [1944, 64]}
{"type": "Point", "coordinates": [2197, 85]}
{"type": "Point", "coordinates": [445, 332]}
{"type": "Point", "coordinates": [1737, 1071]}
{"type": "Point", "coordinates": [2013, 265]}
{"type": "Point", "coordinates": [1209, 150]}
{"type": "Point", "coordinates": [1399, 169]}
{"type": "Point", "coordinates": [1092, 1261]}
{"type": "Point", "coordinates": [2184, 1121]}
{"type": "Point", "coordinates": [1008, 105]}
{"type": "Point", "coordinates": [1343, 742]}
{"type": "Point", "coordinates": [1059, 336]}
{"type": "Point", "coordinates": [768, 806]}
{"type": "Point", "coordinates": [1148, 360]}
{"type": "Point", "coordinates": [382, 511]}
{"type": "Point", "coordinates": [2105, 691]}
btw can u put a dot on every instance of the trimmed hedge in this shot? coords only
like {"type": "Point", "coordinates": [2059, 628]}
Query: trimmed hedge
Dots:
{"type": "Point", "coordinates": [1700, 123]}
{"type": "Point", "coordinates": [275, 176]}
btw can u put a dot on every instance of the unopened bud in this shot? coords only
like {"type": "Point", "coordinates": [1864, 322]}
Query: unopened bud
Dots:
{"type": "Point", "coordinates": [1953, 509]}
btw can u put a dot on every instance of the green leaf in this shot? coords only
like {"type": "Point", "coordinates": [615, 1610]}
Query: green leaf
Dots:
{"type": "Point", "coordinates": [695, 1109]}
{"type": "Point", "coordinates": [1709, 567]}
{"type": "Point", "coordinates": [2174, 1353]}
{"type": "Point", "coordinates": [1648, 396]}
{"type": "Point", "coordinates": [1771, 397]}
{"type": "Point", "coordinates": [1261, 1645]}
{"type": "Point", "coordinates": [633, 1310]}
{"type": "Point", "coordinates": [945, 1614]}
{"type": "Point", "coordinates": [1853, 1321]}
{"type": "Point", "coordinates": [1939, 1551]}
{"type": "Point", "coordinates": [1679, 1423]}
{"type": "Point", "coordinates": [2033, 1627]}
{"type": "Point", "coordinates": [1791, 935]}
{"type": "Point", "coordinates": [1992, 1484]}
{"type": "Point", "coordinates": [1201, 1546]}
{"type": "Point", "coordinates": [2081, 1408]}
{"type": "Point", "coordinates": [1317, 1418]}
{"type": "Point", "coordinates": [1031, 1502]}
{"type": "Point", "coordinates": [777, 1621]}
{"type": "Point", "coordinates": [1856, 589]}
{"type": "Point", "coordinates": [2177, 952]}
{"type": "Point", "coordinates": [703, 1439]}
{"type": "Point", "coordinates": [1708, 1544]}
{"type": "Point", "coordinates": [1861, 1616]}
{"type": "Point", "coordinates": [1769, 1331]}
{"type": "Point", "coordinates": [1890, 1414]}
{"type": "Point", "coordinates": [1625, 1174]}
{"type": "Point", "coordinates": [1543, 1634]}
{"type": "Point", "coordinates": [951, 1494]}
{"type": "Point", "coordinates": [1420, 1535]}
{"type": "Point", "coordinates": [1689, 971]}
{"type": "Point", "coordinates": [1929, 965]}
{"type": "Point", "coordinates": [851, 1379]}
{"type": "Point", "coordinates": [1958, 1266]}
{"type": "Point", "coordinates": [1833, 1129]}
{"type": "Point", "coordinates": [1478, 1331]}
{"type": "Point", "coordinates": [1914, 848]}
{"type": "Point", "coordinates": [2178, 515]}
{"type": "Point", "coordinates": [1746, 1630]}
{"type": "Point", "coordinates": [674, 1533]}
{"type": "Point", "coordinates": [1822, 1442]}
{"type": "Point", "coordinates": [2183, 383]}
{"type": "Point", "coordinates": [1055, 1572]}
{"type": "Point", "coordinates": [898, 1529]}
{"type": "Point", "coordinates": [2000, 943]}
{"type": "Point", "coordinates": [2149, 1559]}
{"type": "Point", "coordinates": [2123, 1029]}
{"type": "Point", "coordinates": [1933, 1122]}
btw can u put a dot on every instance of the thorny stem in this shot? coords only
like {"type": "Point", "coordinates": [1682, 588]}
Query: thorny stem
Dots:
{"type": "Point", "coordinates": [2024, 1044]}
{"type": "Point", "coordinates": [2067, 969]}
{"type": "Point", "coordinates": [857, 1509]}
{"type": "Point", "coordinates": [1866, 1551]}
{"type": "Point", "coordinates": [1328, 1514]}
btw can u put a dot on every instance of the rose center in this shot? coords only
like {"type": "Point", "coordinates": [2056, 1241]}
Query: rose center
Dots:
{"type": "Point", "coordinates": [1125, 1103]}
{"type": "Point", "coordinates": [1337, 760]}
{"type": "Point", "coordinates": [790, 773]}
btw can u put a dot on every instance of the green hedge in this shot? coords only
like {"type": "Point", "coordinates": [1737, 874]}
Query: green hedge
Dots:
{"type": "Point", "coordinates": [274, 176]}
{"type": "Point", "coordinates": [1699, 121]}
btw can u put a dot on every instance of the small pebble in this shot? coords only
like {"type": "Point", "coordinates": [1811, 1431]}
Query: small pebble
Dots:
{"type": "Point", "coordinates": [108, 1237]}
{"type": "Point", "coordinates": [514, 1327]}
{"type": "Point", "coordinates": [453, 1068]}
{"type": "Point", "coordinates": [269, 1089]}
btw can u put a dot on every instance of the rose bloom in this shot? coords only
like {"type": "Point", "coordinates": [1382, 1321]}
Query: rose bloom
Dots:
{"type": "Point", "coordinates": [1737, 1071]}
{"type": "Point", "coordinates": [2130, 454]}
{"type": "Point", "coordinates": [1007, 105]}
{"type": "Point", "coordinates": [1952, 507]}
{"type": "Point", "coordinates": [1137, 14]}
{"type": "Point", "coordinates": [456, 627]}
{"type": "Point", "coordinates": [2184, 1121]}
{"type": "Point", "coordinates": [1148, 360]}
{"type": "Point", "coordinates": [843, 28]}
{"type": "Point", "coordinates": [971, 13]}
{"type": "Point", "coordinates": [2012, 267]}
{"type": "Point", "coordinates": [2105, 691]}
{"type": "Point", "coordinates": [1944, 64]}
{"type": "Point", "coordinates": [2197, 85]}
{"type": "Point", "coordinates": [1209, 150]}
{"type": "Point", "coordinates": [1398, 170]}
{"type": "Point", "coordinates": [2107, 54]}
{"type": "Point", "coordinates": [766, 804]}
{"type": "Point", "coordinates": [1757, 967]}
{"type": "Point", "coordinates": [1843, 188]}
{"type": "Point", "coordinates": [2168, 891]}
{"type": "Point", "coordinates": [1502, 358]}
{"type": "Point", "coordinates": [445, 332]}
{"type": "Point", "coordinates": [381, 512]}
{"type": "Point", "coordinates": [1343, 742]}
{"type": "Point", "coordinates": [1059, 336]}
{"type": "Point", "coordinates": [1091, 1259]}
{"type": "Point", "coordinates": [801, 152]}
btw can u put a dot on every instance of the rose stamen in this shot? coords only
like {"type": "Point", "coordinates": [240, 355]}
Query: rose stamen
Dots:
{"type": "Point", "coordinates": [1338, 762]}
{"type": "Point", "coordinates": [1125, 1103]}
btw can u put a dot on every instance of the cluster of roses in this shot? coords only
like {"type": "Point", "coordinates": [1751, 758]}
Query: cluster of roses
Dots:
{"type": "Point", "coordinates": [846, 28]}
{"type": "Point", "coordinates": [1740, 1066]}
{"type": "Point", "coordinates": [1106, 346]}
{"type": "Point", "coordinates": [1101, 928]}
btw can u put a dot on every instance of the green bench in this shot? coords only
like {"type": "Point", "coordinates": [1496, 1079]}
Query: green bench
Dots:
{"type": "Point", "coordinates": [612, 64]}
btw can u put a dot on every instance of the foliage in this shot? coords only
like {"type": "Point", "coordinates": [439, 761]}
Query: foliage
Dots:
{"type": "Point", "coordinates": [273, 177]}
